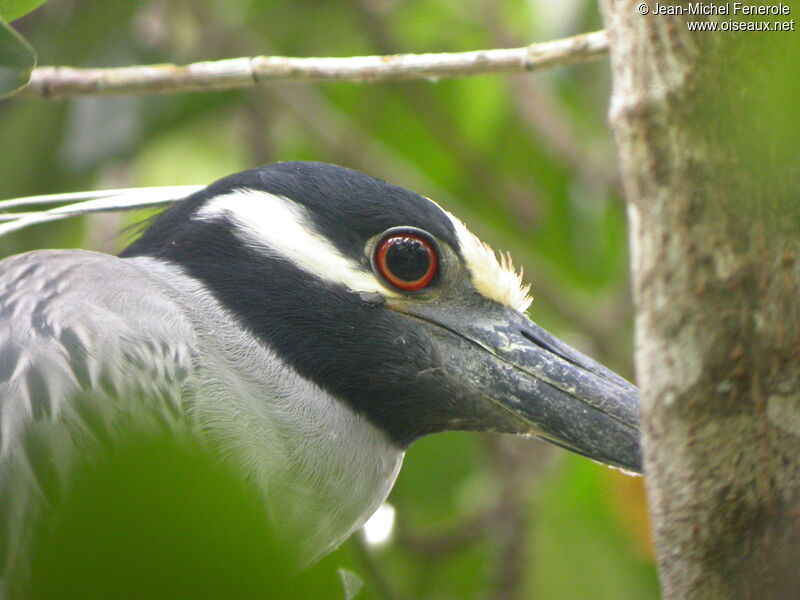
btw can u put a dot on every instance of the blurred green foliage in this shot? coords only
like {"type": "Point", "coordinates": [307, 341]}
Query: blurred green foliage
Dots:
{"type": "Point", "coordinates": [17, 60]}
{"type": "Point", "coordinates": [156, 515]}
{"type": "Point", "coordinates": [526, 160]}
{"type": "Point", "coordinates": [144, 518]}
{"type": "Point", "coordinates": [14, 9]}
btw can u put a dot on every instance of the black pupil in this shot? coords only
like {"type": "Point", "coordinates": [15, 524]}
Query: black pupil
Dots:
{"type": "Point", "coordinates": [407, 258]}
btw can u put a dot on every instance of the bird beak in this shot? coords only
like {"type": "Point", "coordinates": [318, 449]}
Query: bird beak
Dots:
{"type": "Point", "coordinates": [533, 382]}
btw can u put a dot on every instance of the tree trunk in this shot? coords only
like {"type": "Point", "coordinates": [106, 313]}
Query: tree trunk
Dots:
{"type": "Point", "coordinates": [707, 130]}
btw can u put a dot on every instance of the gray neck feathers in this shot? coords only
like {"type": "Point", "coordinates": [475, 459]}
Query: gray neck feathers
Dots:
{"type": "Point", "coordinates": [322, 468]}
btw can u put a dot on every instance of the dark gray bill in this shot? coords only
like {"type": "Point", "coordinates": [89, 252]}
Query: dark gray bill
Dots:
{"type": "Point", "coordinates": [551, 390]}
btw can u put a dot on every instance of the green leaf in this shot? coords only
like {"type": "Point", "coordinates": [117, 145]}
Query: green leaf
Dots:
{"type": "Point", "coordinates": [14, 9]}
{"type": "Point", "coordinates": [17, 59]}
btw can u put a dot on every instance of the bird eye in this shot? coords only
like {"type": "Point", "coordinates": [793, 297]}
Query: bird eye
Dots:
{"type": "Point", "coordinates": [406, 259]}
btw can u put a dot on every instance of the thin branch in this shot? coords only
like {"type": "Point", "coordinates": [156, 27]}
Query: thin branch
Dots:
{"type": "Point", "coordinates": [517, 466]}
{"type": "Point", "coordinates": [57, 82]}
{"type": "Point", "coordinates": [438, 545]}
{"type": "Point", "coordinates": [547, 117]}
{"type": "Point", "coordinates": [517, 198]}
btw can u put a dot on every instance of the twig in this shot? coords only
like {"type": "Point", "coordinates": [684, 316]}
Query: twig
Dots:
{"type": "Point", "coordinates": [540, 110]}
{"type": "Point", "coordinates": [517, 465]}
{"type": "Point", "coordinates": [439, 545]}
{"type": "Point", "coordinates": [517, 198]}
{"type": "Point", "coordinates": [56, 82]}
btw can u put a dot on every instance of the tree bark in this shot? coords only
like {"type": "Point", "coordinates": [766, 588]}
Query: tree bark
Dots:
{"type": "Point", "coordinates": [707, 134]}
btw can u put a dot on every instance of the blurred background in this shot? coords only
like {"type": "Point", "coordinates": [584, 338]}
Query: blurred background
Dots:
{"type": "Point", "coordinates": [527, 161]}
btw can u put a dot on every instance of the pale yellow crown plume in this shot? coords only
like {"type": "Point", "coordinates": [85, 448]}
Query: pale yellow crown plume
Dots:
{"type": "Point", "coordinates": [496, 278]}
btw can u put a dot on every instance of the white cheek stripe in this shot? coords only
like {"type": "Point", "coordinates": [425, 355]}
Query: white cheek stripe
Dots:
{"type": "Point", "coordinates": [279, 225]}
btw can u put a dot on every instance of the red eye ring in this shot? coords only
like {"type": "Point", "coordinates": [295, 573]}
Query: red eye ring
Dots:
{"type": "Point", "coordinates": [406, 249]}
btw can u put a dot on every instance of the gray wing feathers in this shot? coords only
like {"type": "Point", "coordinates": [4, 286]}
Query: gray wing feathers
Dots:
{"type": "Point", "coordinates": [79, 321]}
{"type": "Point", "coordinates": [78, 327]}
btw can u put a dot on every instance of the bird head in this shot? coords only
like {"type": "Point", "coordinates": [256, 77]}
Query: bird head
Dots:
{"type": "Point", "coordinates": [389, 303]}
